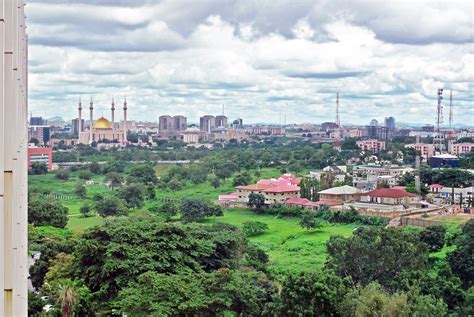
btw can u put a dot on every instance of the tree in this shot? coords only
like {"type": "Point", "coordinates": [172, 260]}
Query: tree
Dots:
{"type": "Point", "coordinates": [62, 174]}
{"type": "Point", "coordinates": [196, 209]}
{"type": "Point", "coordinates": [143, 173]}
{"type": "Point", "coordinates": [35, 304]}
{"type": "Point", "coordinates": [132, 195]}
{"type": "Point", "coordinates": [377, 254]}
{"type": "Point", "coordinates": [114, 179]}
{"type": "Point", "coordinates": [198, 174]}
{"type": "Point", "coordinates": [310, 221]}
{"type": "Point", "coordinates": [461, 259]}
{"type": "Point", "coordinates": [116, 253]}
{"type": "Point", "coordinates": [111, 206]}
{"type": "Point", "coordinates": [85, 210]}
{"type": "Point", "coordinates": [434, 237]}
{"type": "Point", "coordinates": [67, 299]}
{"type": "Point", "coordinates": [43, 212]}
{"type": "Point", "coordinates": [174, 184]}
{"type": "Point", "coordinates": [309, 188]}
{"type": "Point", "coordinates": [80, 190]}
{"type": "Point", "coordinates": [204, 294]}
{"type": "Point", "coordinates": [85, 175]}
{"type": "Point", "coordinates": [429, 306]}
{"type": "Point", "coordinates": [256, 202]}
{"type": "Point", "coordinates": [38, 168]}
{"type": "Point", "coordinates": [373, 300]}
{"type": "Point", "coordinates": [95, 168]}
{"type": "Point", "coordinates": [170, 209]}
{"type": "Point", "coordinates": [310, 294]}
{"type": "Point", "coordinates": [150, 192]}
{"type": "Point", "coordinates": [215, 181]}
{"type": "Point", "coordinates": [254, 228]}
{"type": "Point", "coordinates": [241, 179]}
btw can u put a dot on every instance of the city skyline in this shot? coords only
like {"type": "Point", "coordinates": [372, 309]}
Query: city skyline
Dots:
{"type": "Point", "coordinates": [383, 60]}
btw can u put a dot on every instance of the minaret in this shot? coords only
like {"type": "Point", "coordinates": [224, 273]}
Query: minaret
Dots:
{"type": "Point", "coordinates": [113, 113]}
{"type": "Point", "coordinates": [125, 120]}
{"type": "Point", "coordinates": [80, 116]}
{"type": "Point", "coordinates": [91, 109]}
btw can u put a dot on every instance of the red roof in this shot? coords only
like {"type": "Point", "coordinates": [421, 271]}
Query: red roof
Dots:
{"type": "Point", "coordinates": [282, 189]}
{"type": "Point", "coordinates": [254, 187]}
{"type": "Point", "coordinates": [295, 181]}
{"type": "Point", "coordinates": [231, 196]}
{"type": "Point", "coordinates": [299, 201]}
{"type": "Point", "coordinates": [390, 193]}
{"type": "Point", "coordinates": [436, 186]}
{"type": "Point", "coordinates": [328, 203]}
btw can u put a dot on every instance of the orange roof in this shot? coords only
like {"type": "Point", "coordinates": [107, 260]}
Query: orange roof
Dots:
{"type": "Point", "coordinates": [282, 189]}
{"type": "Point", "coordinates": [254, 187]}
{"type": "Point", "coordinates": [390, 193]}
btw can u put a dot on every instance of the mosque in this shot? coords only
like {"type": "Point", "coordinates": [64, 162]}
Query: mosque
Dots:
{"type": "Point", "coordinates": [103, 129]}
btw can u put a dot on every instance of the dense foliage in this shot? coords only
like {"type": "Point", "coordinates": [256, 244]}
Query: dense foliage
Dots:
{"type": "Point", "coordinates": [44, 212]}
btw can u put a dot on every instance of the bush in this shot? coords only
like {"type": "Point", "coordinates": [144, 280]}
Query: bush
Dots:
{"type": "Point", "coordinates": [37, 168]}
{"type": "Point", "coordinates": [254, 228]}
{"type": "Point", "coordinates": [47, 213]}
{"type": "Point", "coordinates": [62, 174]}
{"type": "Point", "coordinates": [195, 209]}
{"type": "Point", "coordinates": [309, 221]}
{"type": "Point", "coordinates": [85, 210]}
{"type": "Point", "coordinates": [85, 175]}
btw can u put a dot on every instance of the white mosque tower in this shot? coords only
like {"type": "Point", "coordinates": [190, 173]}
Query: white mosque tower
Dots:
{"type": "Point", "coordinates": [102, 130]}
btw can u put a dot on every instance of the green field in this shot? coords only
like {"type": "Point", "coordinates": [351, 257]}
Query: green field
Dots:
{"type": "Point", "coordinates": [288, 246]}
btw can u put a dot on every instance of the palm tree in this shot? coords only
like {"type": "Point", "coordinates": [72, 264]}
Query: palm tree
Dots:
{"type": "Point", "coordinates": [67, 299]}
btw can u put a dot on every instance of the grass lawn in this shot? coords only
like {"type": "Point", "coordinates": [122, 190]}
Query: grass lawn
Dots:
{"type": "Point", "coordinates": [289, 247]}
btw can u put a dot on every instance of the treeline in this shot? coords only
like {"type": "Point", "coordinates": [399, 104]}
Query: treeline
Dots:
{"type": "Point", "coordinates": [142, 266]}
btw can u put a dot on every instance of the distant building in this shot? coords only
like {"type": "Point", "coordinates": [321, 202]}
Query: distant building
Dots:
{"type": "Point", "coordinates": [274, 190]}
{"type": "Point", "coordinates": [172, 125]}
{"type": "Point", "coordinates": [329, 126]}
{"type": "Point", "coordinates": [191, 135]}
{"type": "Point", "coordinates": [207, 123]}
{"type": "Point", "coordinates": [390, 122]}
{"type": "Point", "coordinates": [341, 194]}
{"type": "Point", "coordinates": [221, 121]}
{"type": "Point", "coordinates": [427, 128]}
{"type": "Point", "coordinates": [37, 121]}
{"type": "Point", "coordinates": [461, 148]}
{"type": "Point", "coordinates": [371, 145]}
{"type": "Point", "coordinates": [238, 124]}
{"type": "Point", "coordinates": [426, 149]}
{"type": "Point", "coordinates": [41, 133]}
{"type": "Point", "coordinates": [374, 123]}
{"type": "Point", "coordinates": [443, 160]}
{"type": "Point", "coordinates": [42, 155]}
{"type": "Point", "coordinates": [77, 126]}
{"type": "Point", "coordinates": [390, 196]}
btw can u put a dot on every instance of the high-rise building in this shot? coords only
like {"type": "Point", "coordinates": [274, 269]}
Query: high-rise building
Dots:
{"type": "Point", "coordinates": [165, 123]}
{"type": "Point", "coordinates": [172, 125]}
{"type": "Point", "coordinates": [13, 160]}
{"type": "Point", "coordinates": [207, 123]}
{"type": "Point", "coordinates": [390, 122]}
{"type": "Point", "coordinates": [37, 121]}
{"type": "Point", "coordinates": [77, 126]}
{"type": "Point", "coordinates": [40, 133]}
{"type": "Point", "coordinates": [180, 123]}
{"type": "Point", "coordinates": [221, 121]}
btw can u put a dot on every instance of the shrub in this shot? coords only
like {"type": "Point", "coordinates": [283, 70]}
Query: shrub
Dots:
{"type": "Point", "coordinates": [254, 228]}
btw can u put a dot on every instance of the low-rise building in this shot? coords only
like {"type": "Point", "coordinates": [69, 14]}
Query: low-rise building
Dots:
{"type": "Point", "coordinates": [341, 194]}
{"type": "Point", "coordinates": [42, 155]}
{"type": "Point", "coordinates": [461, 148]}
{"type": "Point", "coordinates": [426, 150]}
{"type": "Point", "coordinates": [390, 196]}
{"type": "Point", "coordinates": [372, 145]}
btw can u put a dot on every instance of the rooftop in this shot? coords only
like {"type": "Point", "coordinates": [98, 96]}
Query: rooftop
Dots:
{"type": "Point", "coordinates": [341, 190]}
{"type": "Point", "coordinates": [390, 193]}
{"type": "Point", "coordinates": [282, 189]}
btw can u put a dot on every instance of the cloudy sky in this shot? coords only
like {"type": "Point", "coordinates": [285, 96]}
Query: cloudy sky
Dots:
{"type": "Point", "coordinates": [262, 59]}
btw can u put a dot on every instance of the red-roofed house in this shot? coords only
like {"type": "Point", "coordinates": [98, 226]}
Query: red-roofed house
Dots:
{"type": "Point", "coordinates": [390, 196]}
{"type": "Point", "coordinates": [274, 190]}
{"type": "Point", "coordinates": [435, 188]}
{"type": "Point", "coordinates": [301, 202]}
{"type": "Point", "coordinates": [229, 197]}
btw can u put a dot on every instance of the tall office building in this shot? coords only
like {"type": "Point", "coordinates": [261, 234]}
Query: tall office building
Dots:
{"type": "Point", "coordinates": [390, 122]}
{"type": "Point", "coordinates": [13, 160]}
{"type": "Point", "coordinates": [77, 126]}
{"type": "Point", "coordinates": [180, 123]}
{"type": "Point", "coordinates": [37, 121]}
{"type": "Point", "coordinates": [172, 125]}
{"type": "Point", "coordinates": [207, 123]}
{"type": "Point", "coordinates": [221, 121]}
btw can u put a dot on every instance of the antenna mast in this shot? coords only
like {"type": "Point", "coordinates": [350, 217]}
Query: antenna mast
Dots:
{"type": "Point", "coordinates": [450, 109]}
{"type": "Point", "coordinates": [337, 110]}
{"type": "Point", "coordinates": [438, 141]}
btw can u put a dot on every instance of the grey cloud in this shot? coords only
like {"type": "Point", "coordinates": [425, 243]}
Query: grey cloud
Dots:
{"type": "Point", "coordinates": [326, 75]}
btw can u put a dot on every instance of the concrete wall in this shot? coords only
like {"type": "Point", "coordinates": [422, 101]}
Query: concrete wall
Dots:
{"type": "Point", "coordinates": [13, 159]}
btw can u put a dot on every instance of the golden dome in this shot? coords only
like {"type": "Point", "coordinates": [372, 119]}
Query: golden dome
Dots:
{"type": "Point", "coordinates": [102, 123]}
